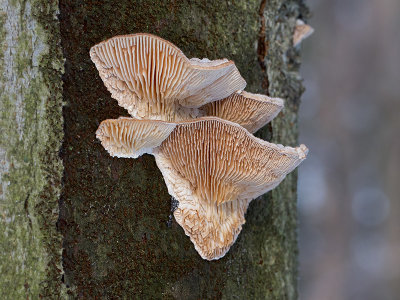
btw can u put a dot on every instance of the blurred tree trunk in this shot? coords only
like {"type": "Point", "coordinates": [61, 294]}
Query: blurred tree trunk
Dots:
{"type": "Point", "coordinates": [112, 213]}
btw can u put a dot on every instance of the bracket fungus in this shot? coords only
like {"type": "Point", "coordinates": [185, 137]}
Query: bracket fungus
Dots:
{"type": "Point", "coordinates": [195, 118]}
{"type": "Point", "coordinates": [252, 111]}
{"type": "Point", "coordinates": [153, 79]}
{"type": "Point", "coordinates": [213, 168]}
{"type": "Point", "coordinates": [124, 138]}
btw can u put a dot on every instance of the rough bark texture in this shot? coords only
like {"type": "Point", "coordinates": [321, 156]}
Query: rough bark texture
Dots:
{"type": "Point", "coordinates": [30, 138]}
{"type": "Point", "coordinates": [114, 212]}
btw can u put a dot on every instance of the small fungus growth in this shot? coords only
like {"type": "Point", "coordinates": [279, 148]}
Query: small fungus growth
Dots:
{"type": "Point", "coordinates": [301, 32]}
{"type": "Point", "coordinates": [197, 121]}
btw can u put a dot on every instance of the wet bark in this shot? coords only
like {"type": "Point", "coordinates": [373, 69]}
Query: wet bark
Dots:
{"type": "Point", "coordinates": [109, 216]}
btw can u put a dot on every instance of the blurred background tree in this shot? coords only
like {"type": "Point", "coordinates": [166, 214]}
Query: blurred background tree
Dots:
{"type": "Point", "coordinates": [349, 189]}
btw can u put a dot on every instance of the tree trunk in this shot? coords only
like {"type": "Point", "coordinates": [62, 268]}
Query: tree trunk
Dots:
{"type": "Point", "coordinates": [112, 213]}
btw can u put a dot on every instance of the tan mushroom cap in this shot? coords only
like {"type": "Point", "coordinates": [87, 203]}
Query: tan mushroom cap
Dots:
{"type": "Point", "coordinates": [153, 79]}
{"type": "Point", "coordinates": [252, 111]}
{"type": "Point", "coordinates": [301, 32]}
{"type": "Point", "coordinates": [214, 168]}
{"type": "Point", "coordinates": [127, 137]}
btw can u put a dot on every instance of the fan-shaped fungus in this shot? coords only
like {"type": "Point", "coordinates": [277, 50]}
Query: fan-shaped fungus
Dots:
{"type": "Point", "coordinates": [127, 137]}
{"type": "Point", "coordinates": [214, 168]}
{"type": "Point", "coordinates": [252, 111]}
{"type": "Point", "coordinates": [153, 79]}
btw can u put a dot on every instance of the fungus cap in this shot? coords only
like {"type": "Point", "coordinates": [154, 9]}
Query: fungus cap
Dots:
{"type": "Point", "coordinates": [214, 168]}
{"type": "Point", "coordinates": [153, 79]}
{"type": "Point", "coordinates": [252, 111]}
{"type": "Point", "coordinates": [127, 137]}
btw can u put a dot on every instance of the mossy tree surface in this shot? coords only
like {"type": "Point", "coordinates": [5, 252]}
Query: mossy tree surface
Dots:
{"type": "Point", "coordinates": [114, 212]}
{"type": "Point", "coordinates": [31, 132]}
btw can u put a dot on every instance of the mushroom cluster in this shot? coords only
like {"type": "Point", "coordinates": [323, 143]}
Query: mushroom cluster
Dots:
{"type": "Point", "coordinates": [197, 121]}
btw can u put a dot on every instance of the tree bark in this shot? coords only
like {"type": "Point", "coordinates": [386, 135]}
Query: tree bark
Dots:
{"type": "Point", "coordinates": [112, 213]}
{"type": "Point", "coordinates": [31, 133]}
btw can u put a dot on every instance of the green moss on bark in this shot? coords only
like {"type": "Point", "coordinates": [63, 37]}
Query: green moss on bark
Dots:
{"type": "Point", "coordinates": [30, 139]}
{"type": "Point", "coordinates": [114, 211]}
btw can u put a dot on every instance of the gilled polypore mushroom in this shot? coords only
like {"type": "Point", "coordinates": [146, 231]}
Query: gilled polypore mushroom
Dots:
{"type": "Point", "coordinates": [124, 137]}
{"type": "Point", "coordinates": [252, 111]}
{"type": "Point", "coordinates": [153, 79]}
{"type": "Point", "coordinates": [214, 168]}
